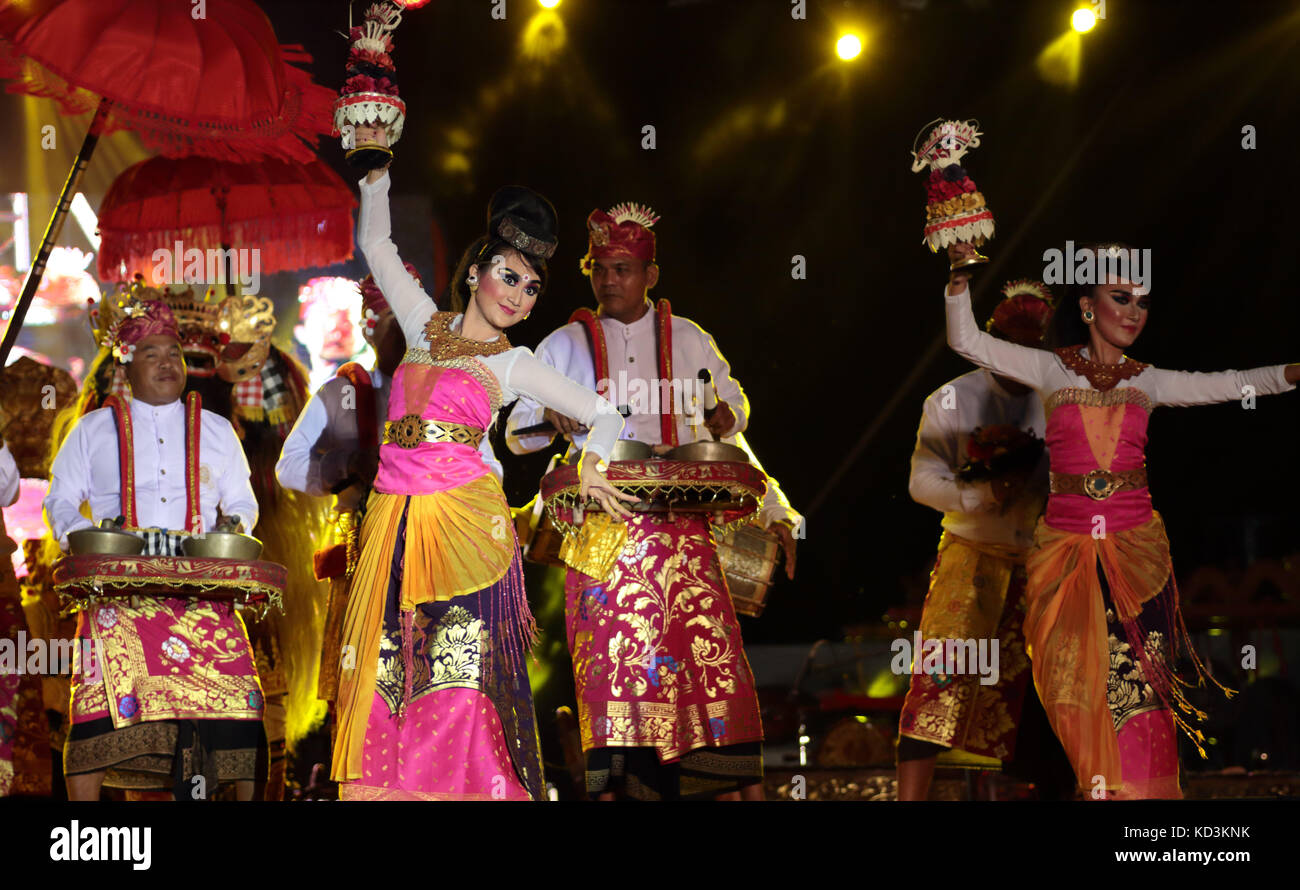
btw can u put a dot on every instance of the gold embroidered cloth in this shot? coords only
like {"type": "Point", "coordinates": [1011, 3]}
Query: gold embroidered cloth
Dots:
{"type": "Point", "coordinates": [658, 660]}
{"type": "Point", "coordinates": [163, 659]}
{"type": "Point", "coordinates": [94, 577]}
{"type": "Point", "coordinates": [976, 593]}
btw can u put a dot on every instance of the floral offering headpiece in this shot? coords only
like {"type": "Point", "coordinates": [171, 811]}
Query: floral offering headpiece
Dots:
{"type": "Point", "coordinates": [946, 143]}
{"type": "Point", "coordinates": [1025, 312]}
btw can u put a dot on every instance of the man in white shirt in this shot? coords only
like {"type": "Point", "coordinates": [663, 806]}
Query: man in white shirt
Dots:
{"type": "Point", "coordinates": [657, 721]}
{"type": "Point", "coordinates": [167, 690]}
{"type": "Point", "coordinates": [989, 506]}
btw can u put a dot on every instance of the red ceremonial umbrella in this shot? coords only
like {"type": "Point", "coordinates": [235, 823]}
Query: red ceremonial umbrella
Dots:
{"type": "Point", "coordinates": [204, 79]}
{"type": "Point", "coordinates": [297, 215]}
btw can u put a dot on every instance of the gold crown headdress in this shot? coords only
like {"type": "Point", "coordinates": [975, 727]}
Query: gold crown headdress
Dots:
{"type": "Point", "coordinates": [130, 301]}
{"type": "Point", "coordinates": [637, 213]}
{"type": "Point", "coordinates": [1029, 287]}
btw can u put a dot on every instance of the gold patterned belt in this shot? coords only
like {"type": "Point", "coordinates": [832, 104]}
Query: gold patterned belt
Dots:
{"type": "Point", "coordinates": [1097, 484]}
{"type": "Point", "coordinates": [413, 431]}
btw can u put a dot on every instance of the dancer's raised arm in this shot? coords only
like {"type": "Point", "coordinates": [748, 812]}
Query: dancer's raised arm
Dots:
{"type": "Point", "coordinates": [412, 307]}
{"type": "Point", "coordinates": [1021, 363]}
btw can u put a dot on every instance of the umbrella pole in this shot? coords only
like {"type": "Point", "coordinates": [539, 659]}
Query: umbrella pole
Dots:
{"type": "Point", "coordinates": [231, 285]}
{"type": "Point", "coordinates": [227, 261]}
{"type": "Point", "coordinates": [37, 271]}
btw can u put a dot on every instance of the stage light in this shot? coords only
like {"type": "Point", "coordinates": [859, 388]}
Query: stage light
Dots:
{"type": "Point", "coordinates": [1083, 20]}
{"type": "Point", "coordinates": [544, 36]}
{"type": "Point", "coordinates": [848, 47]}
{"type": "Point", "coordinates": [549, 4]}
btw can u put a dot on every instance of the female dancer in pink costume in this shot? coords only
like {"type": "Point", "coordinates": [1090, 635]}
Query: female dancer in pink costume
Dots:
{"type": "Point", "coordinates": [434, 700]}
{"type": "Point", "coordinates": [1102, 624]}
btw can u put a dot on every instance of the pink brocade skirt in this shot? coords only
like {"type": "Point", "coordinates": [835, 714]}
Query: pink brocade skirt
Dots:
{"type": "Point", "coordinates": [449, 746]}
{"type": "Point", "coordinates": [452, 712]}
{"type": "Point", "coordinates": [658, 661]}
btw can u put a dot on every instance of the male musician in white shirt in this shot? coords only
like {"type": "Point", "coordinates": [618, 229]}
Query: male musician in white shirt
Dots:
{"type": "Point", "coordinates": [666, 701]}
{"type": "Point", "coordinates": [164, 690]}
{"type": "Point", "coordinates": [977, 588]}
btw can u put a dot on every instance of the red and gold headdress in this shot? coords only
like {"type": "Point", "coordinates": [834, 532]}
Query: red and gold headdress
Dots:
{"type": "Point", "coordinates": [1025, 312]}
{"type": "Point", "coordinates": [622, 232]}
{"type": "Point", "coordinates": [125, 317]}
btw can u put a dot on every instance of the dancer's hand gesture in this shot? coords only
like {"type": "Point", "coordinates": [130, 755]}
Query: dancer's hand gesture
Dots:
{"type": "Point", "coordinates": [958, 278]}
{"type": "Point", "coordinates": [376, 136]}
{"type": "Point", "coordinates": [593, 484]}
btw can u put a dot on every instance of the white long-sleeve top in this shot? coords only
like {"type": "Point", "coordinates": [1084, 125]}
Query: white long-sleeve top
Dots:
{"type": "Point", "coordinates": [1046, 373]}
{"type": "Point", "coordinates": [633, 367]}
{"type": "Point", "coordinates": [517, 370]}
{"type": "Point", "coordinates": [314, 458]}
{"type": "Point", "coordinates": [8, 477]}
{"type": "Point", "coordinates": [949, 418]}
{"type": "Point", "coordinates": [87, 469]}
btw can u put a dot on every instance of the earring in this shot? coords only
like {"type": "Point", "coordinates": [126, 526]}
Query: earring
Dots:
{"type": "Point", "coordinates": [525, 318]}
{"type": "Point", "coordinates": [471, 280]}
{"type": "Point", "coordinates": [1088, 317]}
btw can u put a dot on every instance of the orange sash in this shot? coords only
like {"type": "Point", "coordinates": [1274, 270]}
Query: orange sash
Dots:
{"type": "Point", "coordinates": [1068, 642]}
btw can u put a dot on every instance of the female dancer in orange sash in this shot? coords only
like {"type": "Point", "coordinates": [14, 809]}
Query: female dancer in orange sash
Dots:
{"type": "Point", "coordinates": [1102, 624]}
{"type": "Point", "coordinates": [433, 696]}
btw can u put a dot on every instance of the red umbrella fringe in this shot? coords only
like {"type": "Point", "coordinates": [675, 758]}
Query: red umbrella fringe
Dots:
{"type": "Point", "coordinates": [307, 113]}
{"type": "Point", "coordinates": [283, 245]}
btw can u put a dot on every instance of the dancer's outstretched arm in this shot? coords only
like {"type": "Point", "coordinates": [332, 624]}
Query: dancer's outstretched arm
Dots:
{"type": "Point", "coordinates": [548, 387]}
{"type": "Point", "coordinates": [1182, 388]}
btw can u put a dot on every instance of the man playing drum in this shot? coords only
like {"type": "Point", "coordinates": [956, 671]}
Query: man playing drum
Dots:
{"type": "Point", "coordinates": [164, 690]}
{"type": "Point", "coordinates": [666, 699]}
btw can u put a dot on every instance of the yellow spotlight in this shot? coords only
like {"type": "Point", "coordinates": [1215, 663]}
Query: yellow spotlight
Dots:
{"type": "Point", "coordinates": [549, 4]}
{"type": "Point", "coordinates": [1083, 20]}
{"type": "Point", "coordinates": [544, 36]}
{"type": "Point", "coordinates": [848, 47]}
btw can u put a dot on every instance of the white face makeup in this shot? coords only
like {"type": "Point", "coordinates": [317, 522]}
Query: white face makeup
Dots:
{"type": "Point", "coordinates": [507, 290]}
{"type": "Point", "coordinates": [512, 277]}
